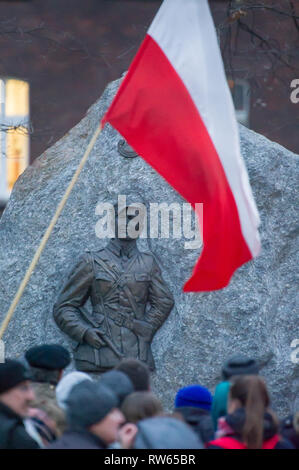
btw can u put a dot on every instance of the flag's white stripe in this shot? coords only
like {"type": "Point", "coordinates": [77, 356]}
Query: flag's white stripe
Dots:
{"type": "Point", "coordinates": [185, 31]}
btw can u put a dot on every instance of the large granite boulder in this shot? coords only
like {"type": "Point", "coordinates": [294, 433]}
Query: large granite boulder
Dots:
{"type": "Point", "coordinates": [255, 315]}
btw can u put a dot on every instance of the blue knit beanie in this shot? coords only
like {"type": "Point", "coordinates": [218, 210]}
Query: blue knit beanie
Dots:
{"type": "Point", "coordinates": [195, 396]}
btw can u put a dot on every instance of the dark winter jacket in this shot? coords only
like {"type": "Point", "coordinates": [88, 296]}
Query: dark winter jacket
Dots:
{"type": "Point", "coordinates": [45, 400]}
{"type": "Point", "coordinates": [235, 422]}
{"type": "Point", "coordinates": [289, 429]}
{"type": "Point", "coordinates": [200, 420]}
{"type": "Point", "coordinates": [78, 440]}
{"type": "Point", "coordinates": [13, 434]}
{"type": "Point", "coordinates": [162, 432]}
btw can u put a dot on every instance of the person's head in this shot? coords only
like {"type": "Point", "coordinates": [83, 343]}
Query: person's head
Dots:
{"type": "Point", "coordinates": [137, 372]}
{"type": "Point", "coordinates": [108, 428]}
{"type": "Point", "coordinates": [66, 384]}
{"type": "Point", "coordinates": [47, 362]}
{"type": "Point", "coordinates": [93, 407]}
{"type": "Point", "coordinates": [119, 382]}
{"type": "Point", "coordinates": [15, 387]}
{"type": "Point", "coordinates": [141, 405]}
{"type": "Point", "coordinates": [239, 365]}
{"type": "Point", "coordinates": [250, 393]}
{"type": "Point", "coordinates": [165, 433]}
{"type": "Point", "coordinates": [194, 396]}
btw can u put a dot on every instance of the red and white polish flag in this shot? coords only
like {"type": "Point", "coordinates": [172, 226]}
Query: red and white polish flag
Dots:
{"type": "Point", "coordinates": [175, 109]}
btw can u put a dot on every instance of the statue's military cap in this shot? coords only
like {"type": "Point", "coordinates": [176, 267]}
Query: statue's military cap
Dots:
{"type": "Point", "coordinates": [48, 356]}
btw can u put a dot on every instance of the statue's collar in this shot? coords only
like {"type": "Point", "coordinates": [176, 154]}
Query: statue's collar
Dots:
{"type": "Point", "coordinates": [122, 248]}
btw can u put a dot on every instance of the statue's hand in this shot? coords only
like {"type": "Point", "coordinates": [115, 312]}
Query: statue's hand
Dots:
{"type": "Point", "coordinates": [143, 329]}
{"type": "Point", "coordinates": [92, 337]}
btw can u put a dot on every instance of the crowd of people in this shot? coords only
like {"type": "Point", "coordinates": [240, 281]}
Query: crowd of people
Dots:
{"type": "Point", "coordinates": [43, 405]}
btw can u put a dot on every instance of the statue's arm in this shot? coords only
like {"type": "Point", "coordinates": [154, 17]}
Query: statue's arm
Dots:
{"type": "Point", "coordinates": [160, 298]}
{"type": "Point", "coordinates": [73, 296]}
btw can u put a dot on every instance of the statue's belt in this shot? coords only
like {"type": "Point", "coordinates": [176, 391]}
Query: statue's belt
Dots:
{"type": "Point", "coordinates": [125, 319]}
{"type": "Point", "coordinates": [119, 318]}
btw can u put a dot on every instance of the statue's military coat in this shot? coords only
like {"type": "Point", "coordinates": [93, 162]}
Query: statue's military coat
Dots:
{"type": "Point", "coordinates": [122, 285]}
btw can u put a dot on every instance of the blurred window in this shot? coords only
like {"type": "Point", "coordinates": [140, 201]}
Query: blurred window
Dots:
{"type": "Point", "coordinates": [238, 97]}
{"type": "Point", "coordinates": [14, 138]}
{"type": "Point", "coordinates": [240, 90]}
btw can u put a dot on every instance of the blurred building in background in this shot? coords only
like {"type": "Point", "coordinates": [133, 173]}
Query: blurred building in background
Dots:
{"type": "Point", "coordinates": [14, 136]}
{"type": "Point", "coordinates": [57, 56]}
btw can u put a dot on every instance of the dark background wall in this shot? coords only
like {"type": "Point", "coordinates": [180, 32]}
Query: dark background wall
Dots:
{"type": "Point", "coordinates": [68, 50]}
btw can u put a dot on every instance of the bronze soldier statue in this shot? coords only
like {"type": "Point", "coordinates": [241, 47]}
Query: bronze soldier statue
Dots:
{"type": "Point", "coordinates": [130, 301]}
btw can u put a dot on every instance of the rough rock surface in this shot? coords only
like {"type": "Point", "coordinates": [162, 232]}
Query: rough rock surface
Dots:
{"type": "Point", "coordinates": [257, 314]}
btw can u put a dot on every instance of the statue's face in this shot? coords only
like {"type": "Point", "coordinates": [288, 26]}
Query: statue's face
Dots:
{"type": "Point", "coordinates": [129, 223]}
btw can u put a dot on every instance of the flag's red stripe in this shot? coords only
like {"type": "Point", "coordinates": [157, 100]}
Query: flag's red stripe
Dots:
{"type": "Point", "coordinates": [156, 115]}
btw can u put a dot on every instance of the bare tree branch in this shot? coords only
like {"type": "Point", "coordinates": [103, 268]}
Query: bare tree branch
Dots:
{"type": "Point", "coordinates": [262, 6]}
{"type": "Point", "coordinates": [294, 17]}
{"type": "Point", "coordinates": [243, 18]}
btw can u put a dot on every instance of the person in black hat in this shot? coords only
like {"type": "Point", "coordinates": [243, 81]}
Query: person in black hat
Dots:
{"type": "Point", "coordinates": [239, 365]}
{"type": "Point", "coordinates": [47, 362]}
{"type": "Point", "coordinates": [16, 394]}
{"type": "Point", "coordinates": [93, 418]}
